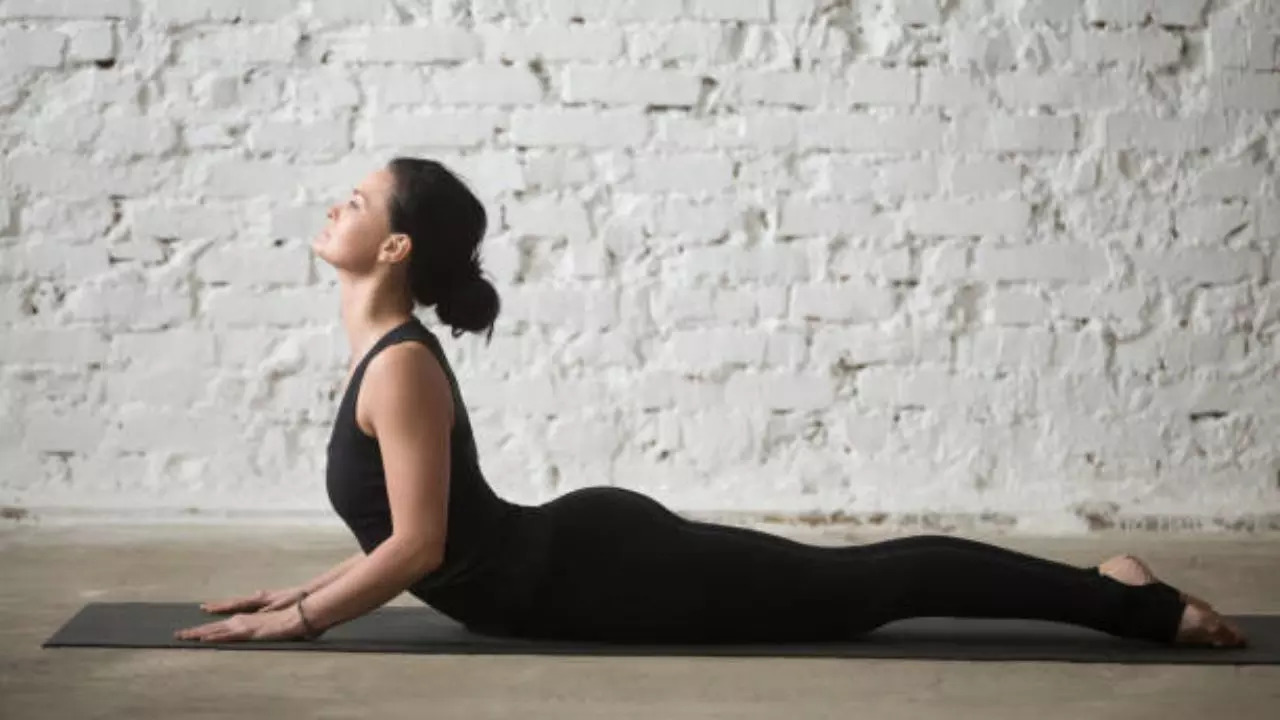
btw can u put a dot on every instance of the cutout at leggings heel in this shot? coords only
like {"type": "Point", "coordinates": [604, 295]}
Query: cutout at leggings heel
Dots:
{"type": "Point", "coordinates": [1152, 611]}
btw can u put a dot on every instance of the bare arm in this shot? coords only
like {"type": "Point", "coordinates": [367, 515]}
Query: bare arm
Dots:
{"type": "Point", "coordinates": [332, 573]}
{"type": "Point", "coordinates": [371, 582]}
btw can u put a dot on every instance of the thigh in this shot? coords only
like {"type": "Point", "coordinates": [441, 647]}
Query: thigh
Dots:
{"type": "Point", "coordinates": [761, 587]}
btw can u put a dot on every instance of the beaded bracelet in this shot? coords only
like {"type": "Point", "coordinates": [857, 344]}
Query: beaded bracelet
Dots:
{"type": "Point", "coordinates": [310, 632]}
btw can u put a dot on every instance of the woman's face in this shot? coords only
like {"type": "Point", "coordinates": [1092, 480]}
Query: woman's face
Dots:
{"type": "Point", "coordinates": [358, 233]}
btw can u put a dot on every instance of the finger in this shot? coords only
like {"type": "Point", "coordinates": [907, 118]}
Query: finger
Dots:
{"type": "Point", "coordinates": [227, 606]}
{"type": "Point", "coordinates": [251, 599]}
{"type": "Point", "coordinates": [224, 636]}
{"type": "Point", "coordinates": [204, 633]}
{"type": "Point", "coordinates": [208, 628]}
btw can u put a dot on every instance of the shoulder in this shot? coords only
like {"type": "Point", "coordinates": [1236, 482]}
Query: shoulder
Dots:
{"type": "Point", "coordinates": [407, 379]}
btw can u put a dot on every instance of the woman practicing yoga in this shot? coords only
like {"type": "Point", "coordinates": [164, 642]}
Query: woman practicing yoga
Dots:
{"type": "Point", "coordinates": [598, 563]}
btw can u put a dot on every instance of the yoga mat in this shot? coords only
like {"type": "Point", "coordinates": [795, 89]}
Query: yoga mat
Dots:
{"type": "Point", "coordinates": [424, 630]}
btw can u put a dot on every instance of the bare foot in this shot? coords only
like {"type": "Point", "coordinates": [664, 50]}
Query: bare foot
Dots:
{"type": "Point", "coordinates": [1201, 624]}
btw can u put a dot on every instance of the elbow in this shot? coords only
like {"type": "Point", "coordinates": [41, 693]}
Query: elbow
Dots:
{"type": "Point", "coordinates": [429, 563]}
{"type": "Point", "coordinates": [422, 559]}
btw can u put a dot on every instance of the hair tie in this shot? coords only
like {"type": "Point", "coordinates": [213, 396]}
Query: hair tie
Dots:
{"type": "Point", "coordinates": [470, 275]}
{"type": "Point", "coordinates": [460, 279]}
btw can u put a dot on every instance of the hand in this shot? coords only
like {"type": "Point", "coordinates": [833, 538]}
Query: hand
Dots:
{"type": "Point", "coordinates": [260, 601]}
{"type": "Point", "coordinates": [273, 625]}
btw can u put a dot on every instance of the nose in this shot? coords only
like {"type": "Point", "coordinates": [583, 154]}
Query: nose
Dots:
{"type": "Point", "coordinates": [332, 213]}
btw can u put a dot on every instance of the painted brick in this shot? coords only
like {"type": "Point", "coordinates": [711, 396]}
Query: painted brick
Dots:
{"type": "Point", "coordinates": [732, 239]}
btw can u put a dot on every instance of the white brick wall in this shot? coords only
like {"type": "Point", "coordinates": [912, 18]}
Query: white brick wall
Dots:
{"type": "Point", "coordinates": [755, 255]}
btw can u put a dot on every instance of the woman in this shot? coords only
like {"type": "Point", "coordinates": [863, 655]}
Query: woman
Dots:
{"type": "Point", "coordinates": [601, 563]}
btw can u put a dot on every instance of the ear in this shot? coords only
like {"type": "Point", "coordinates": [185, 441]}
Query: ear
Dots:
{"type": "Point", "coordinates": [400, 246]}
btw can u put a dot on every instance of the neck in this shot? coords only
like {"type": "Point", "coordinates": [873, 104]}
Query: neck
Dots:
{"type": "Point", "coordinates": [369, 310]}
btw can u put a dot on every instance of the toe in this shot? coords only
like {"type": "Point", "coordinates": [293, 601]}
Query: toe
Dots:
{"type": "Point", "coordinates": [1234, 635]}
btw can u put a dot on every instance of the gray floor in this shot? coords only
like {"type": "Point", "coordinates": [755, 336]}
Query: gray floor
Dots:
{"type": "Point", "coordinates": [49, 573]}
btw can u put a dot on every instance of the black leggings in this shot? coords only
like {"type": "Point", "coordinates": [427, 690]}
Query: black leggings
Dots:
{"type": "Point", "coordinates": [616, 565]}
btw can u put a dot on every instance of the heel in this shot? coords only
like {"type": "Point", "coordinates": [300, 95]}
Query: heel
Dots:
{"type": "Point", "coordinates": [1150, 612]}
{"type": "Point", "coordinates": [1153, 612]}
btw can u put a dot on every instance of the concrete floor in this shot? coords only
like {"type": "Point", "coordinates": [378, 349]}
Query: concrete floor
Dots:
{"type": "Point", "coordinates": [50, 572]}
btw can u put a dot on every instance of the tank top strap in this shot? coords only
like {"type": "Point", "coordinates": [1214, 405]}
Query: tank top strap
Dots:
{"type": "Point", "coordinates": [411, 328]}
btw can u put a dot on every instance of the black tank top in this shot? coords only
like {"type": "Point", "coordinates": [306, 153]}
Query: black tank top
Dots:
{"type": "Point", "coordinates": [357, 486]}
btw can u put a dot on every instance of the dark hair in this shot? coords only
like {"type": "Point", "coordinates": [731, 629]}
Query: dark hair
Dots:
{"type": "Point", "coordinates": [446, 222]}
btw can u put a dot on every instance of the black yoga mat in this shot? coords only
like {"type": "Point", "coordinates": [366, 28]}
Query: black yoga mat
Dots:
{"type": "Point", "coordinates": [425, 630]}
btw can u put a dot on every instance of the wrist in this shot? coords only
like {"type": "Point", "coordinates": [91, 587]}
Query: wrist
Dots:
{"type": "Point", "coordinates": [303, 624]}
